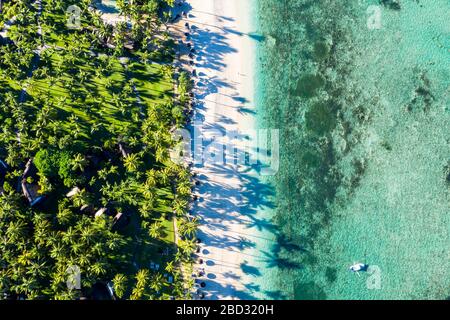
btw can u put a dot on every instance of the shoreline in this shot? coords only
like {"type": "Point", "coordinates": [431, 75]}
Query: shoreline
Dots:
{"type": "Point", "coordinates": [229, 229]}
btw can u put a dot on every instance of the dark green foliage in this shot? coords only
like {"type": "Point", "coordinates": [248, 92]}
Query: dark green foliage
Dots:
{"type": "Point", "coordinates": [47, 163]}
{"type": "Point", "coordinates": [65, 170]}
{"type": "Point", "coordinates": [54, 163]}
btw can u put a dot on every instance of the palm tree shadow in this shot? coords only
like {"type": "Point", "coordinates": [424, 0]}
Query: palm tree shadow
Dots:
{"type": "Point", "coordinates": [219, 200]}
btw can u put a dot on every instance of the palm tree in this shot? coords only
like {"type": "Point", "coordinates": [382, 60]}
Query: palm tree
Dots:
{"type": "Point", "coordinates": [184, 189]}
{"type": "Point", "coordinates": [187, 247]}
{"type": "Point", "coordinates": [170, 266]}
{"type": "Point", "coordinates": [83, 259]}
{"type": "Point", "coordinates": [179, 287]}
{"type": "Point", "coordinates": [120, 285]}
{"type": "Point", "coordinates": [87, 234]}
{"type": "Point", "coordinates": [167, 71]}
{"type": "Point", "coordinates": [157, 282]}
{"type": "Point", "coordinates": [132, 162]}
{"type": "Point", "coordinates": [164, 175]}
{"type": "Point", "coordinates": [79, 162]}
{"type": "Point", "coordinates": [180, 207]}
{"type": "Point", "coordinates": [151, 178]}
{"type": "Point", "coordinates": [38, 268]}
{"type": "Point", "coordinates": [141, 283]}
{"type": "Point", "coordinates": [142, 277]}
{"type": "Point", "coordinates": [145, 56]}
{"type": "Point", "coordinates": [161, 155]}
{"type": "Point", "coordinates": [155, 229]}
{"type": "Point", "coordinates": [81, 198]}
{"type": "Point", "coordinates": [70, 236]}
{"type": "Point", "coordinates": [57, 251]}
{"type": "Point", "coordinates": [108, 84]}
{"type": "Point", "coordinates": [148, 192]}
{"type": "Point", "coordinates": [98, 268]}
{"type": "Point", "coordinates": [188, 227]}
{"type": "Point", "coordinates": [16, 231]}
{"type": "Point", "coordinates": [41, 230]}
{"type": "Point", "coordinates": [146, 209]}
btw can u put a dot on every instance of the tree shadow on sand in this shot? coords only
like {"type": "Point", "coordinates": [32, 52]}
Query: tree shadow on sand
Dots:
{"type": "Point", "coordinates": [221, 201]}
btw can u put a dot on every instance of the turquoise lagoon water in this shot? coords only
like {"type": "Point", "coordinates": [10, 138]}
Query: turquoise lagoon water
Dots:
{"type": "Point", "coordinates": [364, 117]}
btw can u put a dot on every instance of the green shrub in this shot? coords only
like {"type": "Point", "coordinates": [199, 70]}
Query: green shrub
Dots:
{"type": "Point", "coordinates": [7, 187]}
{"type": "Point", "coordinates": [46, 163]}
{"type": "Point", "coordinates": [56, 164]}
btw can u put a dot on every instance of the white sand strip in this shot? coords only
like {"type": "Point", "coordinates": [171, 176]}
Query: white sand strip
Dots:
{"type": "Point", "coordinates": [224, 65]}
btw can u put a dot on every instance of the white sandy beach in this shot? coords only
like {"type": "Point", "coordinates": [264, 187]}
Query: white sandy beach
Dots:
{"type": "Point", "coordinates": [225, 55]}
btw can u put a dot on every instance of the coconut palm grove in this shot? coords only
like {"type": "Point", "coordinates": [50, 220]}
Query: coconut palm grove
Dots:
{"type": "Point", "coordinates": [87, 108]}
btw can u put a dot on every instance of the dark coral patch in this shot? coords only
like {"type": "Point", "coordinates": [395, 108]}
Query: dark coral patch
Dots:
{"type": "Point", "coordinates": [321, 51]}
{"type": "Point", "coordinates": [391, 4]}
{"type": "Point", "coordinates": [308, 85]}
{"type": "Point", "coordinates": [321, 118]}
{"type": "Point", "coordinates": [308, 291]}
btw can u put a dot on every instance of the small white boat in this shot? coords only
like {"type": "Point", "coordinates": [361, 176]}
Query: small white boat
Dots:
{"type": "Point", "coordinates": [358, 267]}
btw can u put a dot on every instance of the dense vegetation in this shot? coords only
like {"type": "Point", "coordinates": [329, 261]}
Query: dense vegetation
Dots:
{"type": "Point", "coordinates": [86, 179]}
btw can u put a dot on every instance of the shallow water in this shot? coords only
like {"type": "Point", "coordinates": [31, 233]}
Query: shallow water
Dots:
{"type": "Point", "coordinates": [360, 93]}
